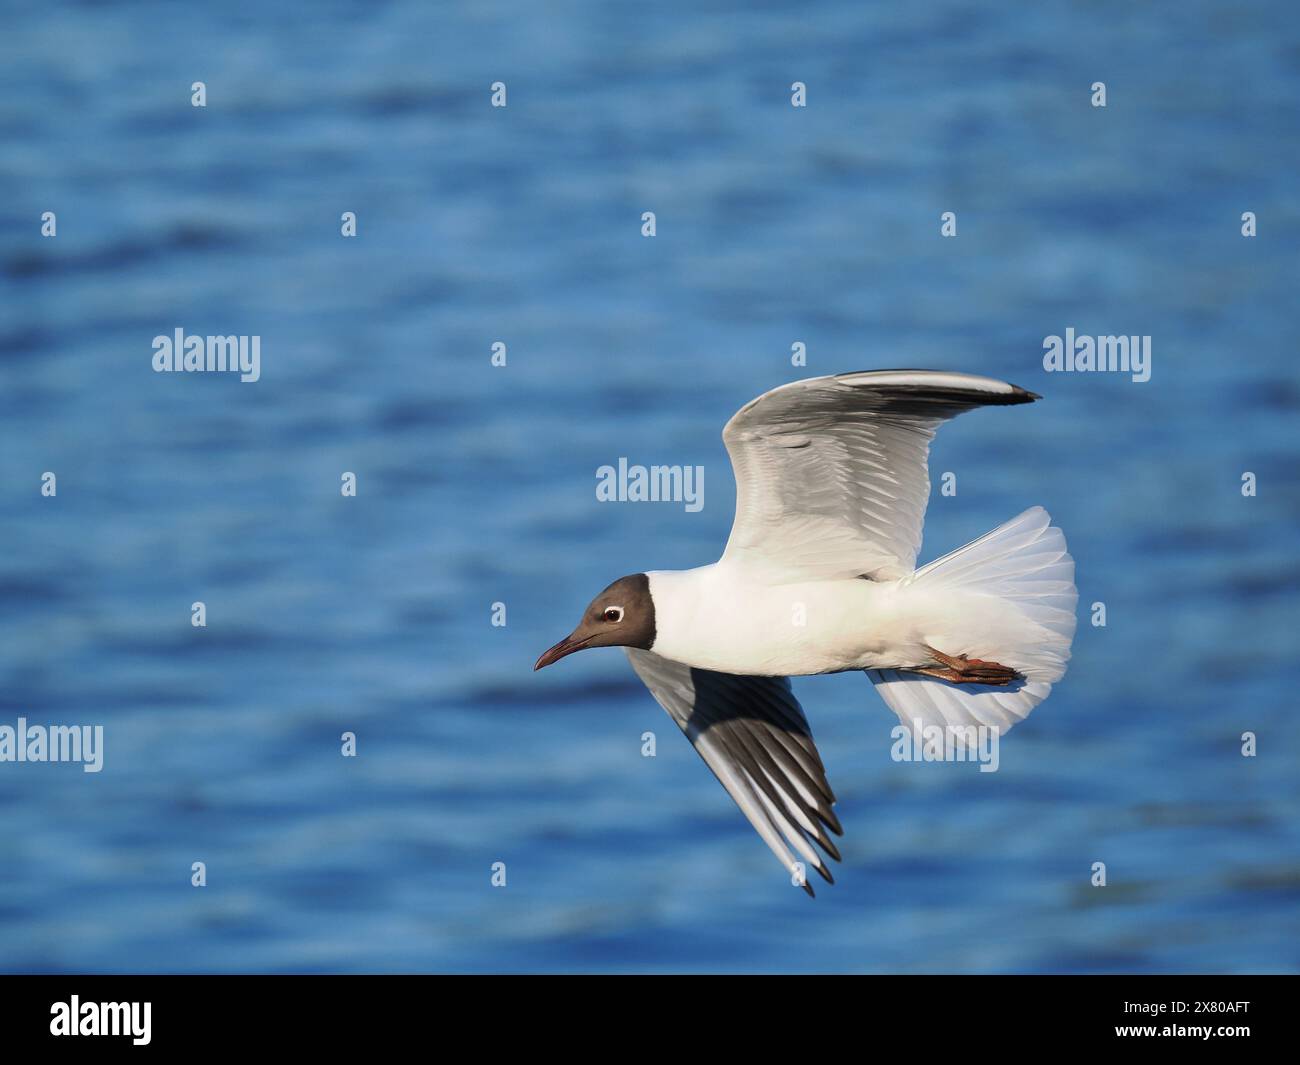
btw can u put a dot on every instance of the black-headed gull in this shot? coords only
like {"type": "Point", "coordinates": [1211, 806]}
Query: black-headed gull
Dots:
{"type": "Point", "coordinates": [819, 576]}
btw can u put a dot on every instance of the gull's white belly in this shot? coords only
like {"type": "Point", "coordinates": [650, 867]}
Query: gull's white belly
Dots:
{"type": "Point", "coordinates": [716, 621]}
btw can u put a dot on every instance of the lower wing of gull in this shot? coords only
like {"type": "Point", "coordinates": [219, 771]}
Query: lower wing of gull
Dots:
{"type": "Point", "coordinates": [753, 734]}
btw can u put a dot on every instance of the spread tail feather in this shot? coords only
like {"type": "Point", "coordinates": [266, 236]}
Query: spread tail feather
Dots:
{"type": "Point", "coordinates": [1025, 566]}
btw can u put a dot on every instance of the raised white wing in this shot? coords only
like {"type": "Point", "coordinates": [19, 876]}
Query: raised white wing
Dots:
{"type": "Point", "coordinates": [831, 477]}
{"type": "Point", "coordinates": [752, 733]}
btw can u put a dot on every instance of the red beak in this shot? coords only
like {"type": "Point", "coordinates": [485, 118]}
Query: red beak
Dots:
{"type": "Point", "coordinates": [565, 647]}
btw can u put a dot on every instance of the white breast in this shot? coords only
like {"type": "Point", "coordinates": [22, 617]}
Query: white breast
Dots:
{"type": "Point", "coordinates": [714, 618]}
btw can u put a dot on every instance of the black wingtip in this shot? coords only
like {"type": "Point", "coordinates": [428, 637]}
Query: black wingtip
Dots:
{"type": "Point", "coordinates": [808, 888]}
{"type": "Point", "coordinates": [1023, 395]}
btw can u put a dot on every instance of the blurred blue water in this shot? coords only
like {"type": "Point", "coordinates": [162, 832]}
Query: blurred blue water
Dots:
{"type": "Point", "coordinates": [522, 225]}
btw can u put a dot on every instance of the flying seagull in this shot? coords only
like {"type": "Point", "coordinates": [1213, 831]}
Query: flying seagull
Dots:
{"type": "Point", "coordinates": [819, 576]}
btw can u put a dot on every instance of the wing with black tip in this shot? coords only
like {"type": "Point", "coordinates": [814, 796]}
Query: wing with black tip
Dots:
{"type": "Point", "coordinates": [753, 734]}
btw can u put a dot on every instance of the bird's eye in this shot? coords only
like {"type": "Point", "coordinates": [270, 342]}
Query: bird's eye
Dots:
{"type": "Point", "coordinates": [613, 613]}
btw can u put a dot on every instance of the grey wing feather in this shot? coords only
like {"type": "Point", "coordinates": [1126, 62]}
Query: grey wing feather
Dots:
{"type": "Point", "coordinates": [752, 733]}
{"type": "Point", "coordinates": [831, 472]}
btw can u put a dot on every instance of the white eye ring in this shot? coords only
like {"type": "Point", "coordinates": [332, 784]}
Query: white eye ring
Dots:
{"type": "Point", "coordinates": [615, 611]}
